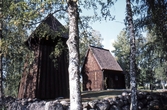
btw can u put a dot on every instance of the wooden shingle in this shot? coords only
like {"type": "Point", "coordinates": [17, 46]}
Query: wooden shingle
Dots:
{"type": "Point", "coordinates": [105, 59]}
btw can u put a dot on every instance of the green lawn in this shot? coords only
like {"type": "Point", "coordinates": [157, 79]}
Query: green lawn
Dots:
{"type": "Point", "coordinates": [93, 95]}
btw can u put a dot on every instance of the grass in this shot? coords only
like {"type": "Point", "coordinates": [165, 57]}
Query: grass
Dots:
{"type": "Point", "coordinates": [95, 95]}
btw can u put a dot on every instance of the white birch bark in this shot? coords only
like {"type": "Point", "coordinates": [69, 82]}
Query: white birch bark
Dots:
{"type": "Point", "coordinates": [133, 85]}
{"type": "Point", "coordinates": [73, 47]}
{"type": "Point", "coordinates": [1, 92]}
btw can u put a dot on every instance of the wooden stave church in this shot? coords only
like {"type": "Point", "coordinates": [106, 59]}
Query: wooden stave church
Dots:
{"type": "Point", "coordinates": [42, 79]}
{"type": "Point", "coordinates": [101, 71]}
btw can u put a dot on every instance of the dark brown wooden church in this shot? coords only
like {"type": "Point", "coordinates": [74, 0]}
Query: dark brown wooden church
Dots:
{"type": "Point", "coordinates": [101, 71]}
{"type": "Point", "coordinates": [42, 79]}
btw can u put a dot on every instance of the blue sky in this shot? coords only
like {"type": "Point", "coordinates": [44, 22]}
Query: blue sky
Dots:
{"type": "Point", "coordinates": [110, 29]}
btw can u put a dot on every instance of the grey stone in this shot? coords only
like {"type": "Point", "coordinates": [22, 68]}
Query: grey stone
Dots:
{"type": "Point", "coordinates": [140, 105]}
{"type": "Point", "coordinates": [126, 102]}
{"type": "Point", "coordinates": [65, 103]}
{"type": "Point", "coordinates": [120, 103]}
{"type": "Point", "coordinates": [36, 106]}
{"type": "Point", "coordinates": [124, 93]}
{"type": "Point", "coordinates": [149, 97]}
{"type": "Point", "coordinates": [126, 107]}
{"type": "Point", "coordinates": [56, 106]}
{"type": "Point", "coordinates": [85, 105]}
{"type": "Point", "coordinates": [16, 106]}
{"type": "Point", "coordinates": [103, 105]}
{"type": "Point", "coordinates": [92, 104]}
{"type": "Point", "coordinates": [115, 107]}
{"type": "Point", "coordinates": [146, 101]}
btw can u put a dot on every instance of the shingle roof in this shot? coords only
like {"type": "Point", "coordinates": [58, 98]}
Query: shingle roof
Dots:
{"type": "Point", "coordinates": [105, 59]}
{"type": "Point", "coordinates": [55, 25]}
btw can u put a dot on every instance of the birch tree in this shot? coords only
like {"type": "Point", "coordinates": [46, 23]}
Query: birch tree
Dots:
{"type": "Point", "coordinates": [1, 91]}
{"type": "Point", "coordinates": [131, 31]}
{"type": "Point", "coordinates": [73, 47]}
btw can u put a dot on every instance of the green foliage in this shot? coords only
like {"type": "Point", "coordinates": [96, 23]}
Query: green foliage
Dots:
{"type": "Point", "coordinates": [58, 50]}
{"type": "Point", "coordinates": [152, 18]}
{"type": "Point", "coordinates": [20, 17]}
{"type": "Point", "coordinates": [152, 60]}
{"type": "Point", "coordinates": [160, 72]}
{"type": "Point", "coordinates": [122, 52]}
{"type": "Point", "coordinates": [151, 51]}
{"type": "Point", "coordinates": [12, 84]}
{"type": "Point", "coordinates": [13, 48]}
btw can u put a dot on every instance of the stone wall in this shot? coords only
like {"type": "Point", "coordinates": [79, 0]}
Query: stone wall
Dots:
{"type": "Point", "coordinates": [146, 101]}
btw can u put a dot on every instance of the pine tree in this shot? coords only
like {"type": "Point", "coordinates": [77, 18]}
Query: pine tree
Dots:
{"type": "Point", "coordinates": [122, 52]}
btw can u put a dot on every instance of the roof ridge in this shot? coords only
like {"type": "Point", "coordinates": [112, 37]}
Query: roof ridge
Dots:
{"type": "Point", "coordinates": [99, 48]}
{"type": "Point", "coordinates": [52, 17]}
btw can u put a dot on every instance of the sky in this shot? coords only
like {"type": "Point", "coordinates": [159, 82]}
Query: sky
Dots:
{"type": "Point", "coordinates": [110, 29]}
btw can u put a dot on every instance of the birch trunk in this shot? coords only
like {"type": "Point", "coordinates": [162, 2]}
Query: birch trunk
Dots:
{"type": "Point", "coordinates": [133, 85]}
{"type": "Point", "coordinates": [73, 46]}
{"type": "Point", "coordinates": [1, 74]}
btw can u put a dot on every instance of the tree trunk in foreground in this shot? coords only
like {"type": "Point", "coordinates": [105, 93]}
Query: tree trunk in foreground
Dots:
{"type": "Point", "coordinates": [133, 105]}
{"type": "Point", "coordinates": [1, 73]}
{"type": "Point", "coordinates": [73, 46]}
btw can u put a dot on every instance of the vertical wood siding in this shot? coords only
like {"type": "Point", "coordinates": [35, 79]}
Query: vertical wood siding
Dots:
{"type": "Point", "coordinates": [42, 79]}
{"type": "Point", "coordinates": [92, 75]}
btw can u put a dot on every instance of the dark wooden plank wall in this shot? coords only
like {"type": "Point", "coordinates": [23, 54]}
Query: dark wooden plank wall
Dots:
{"type": "Point", "coordinates": [95, 81]}
{"type": "Point", "coordinates": [43, 80]}
{"type": "Point", "coordinates": [29, 77]}
{"type": "Point", "coordinates": [53, 81]}
{"type": "Point", "coordinates": [117, 83]}
{"type": "Point", "coordinates": [22, 86]}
